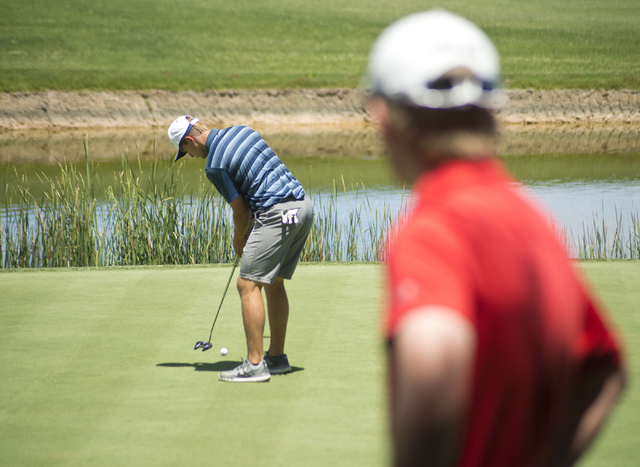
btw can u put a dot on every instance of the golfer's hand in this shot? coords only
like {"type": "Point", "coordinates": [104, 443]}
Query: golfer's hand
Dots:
{"type": "Point", "coordinates": [238, 245]}
{"type": "Point", "coordinates": [241, 222]}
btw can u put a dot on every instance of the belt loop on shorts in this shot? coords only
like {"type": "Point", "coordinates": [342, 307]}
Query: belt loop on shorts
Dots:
{"type": "Point", "coordinates": [285, 200]}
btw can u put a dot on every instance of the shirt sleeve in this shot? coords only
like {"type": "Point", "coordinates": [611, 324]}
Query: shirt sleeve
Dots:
{"type": "Point", "coordinates": [598, 345]}
{"type": "Point", "coordinates": [223, 183]}
{"type": "Point", "coordinates": [428, 264]}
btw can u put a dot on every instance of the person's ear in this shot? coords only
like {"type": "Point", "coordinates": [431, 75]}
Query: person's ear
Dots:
{"type": "Point", "coordinates": [379, 110]}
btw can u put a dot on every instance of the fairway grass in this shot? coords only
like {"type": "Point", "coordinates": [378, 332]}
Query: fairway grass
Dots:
{"type": "Point", "coordinates": [214, 44]}
{"type": "Point", "coordinates": [97, 368]}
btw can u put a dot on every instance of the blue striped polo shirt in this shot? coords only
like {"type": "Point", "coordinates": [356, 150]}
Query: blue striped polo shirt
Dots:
{"type": "Point", "coordinates": [240, 163]}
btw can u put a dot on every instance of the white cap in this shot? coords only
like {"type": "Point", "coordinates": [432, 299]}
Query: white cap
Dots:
{"type": "Point", "coordinates": [178, 130]}
{"type": "Point", "coordinates": [413, 53]}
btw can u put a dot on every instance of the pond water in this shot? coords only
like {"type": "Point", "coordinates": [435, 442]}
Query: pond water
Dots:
{"type": "Point", "coordinates": [597, 181]}
{"type": "Point", "coordinates": [574, 189]}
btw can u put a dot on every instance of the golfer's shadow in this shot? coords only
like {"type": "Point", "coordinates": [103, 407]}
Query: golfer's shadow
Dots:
{"type": "Point", "coordinates": [217, 366]}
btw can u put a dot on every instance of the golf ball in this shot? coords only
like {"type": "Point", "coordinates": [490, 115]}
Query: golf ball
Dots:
{"type": "Point", "coordinates": [223, 351]}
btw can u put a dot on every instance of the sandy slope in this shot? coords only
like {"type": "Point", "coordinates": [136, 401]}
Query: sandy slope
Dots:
{"type": "Point", "coordinates": [308, 108]}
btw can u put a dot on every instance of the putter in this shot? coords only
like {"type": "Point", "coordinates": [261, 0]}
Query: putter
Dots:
{"type": "Point", "coordinates": [207, 345]}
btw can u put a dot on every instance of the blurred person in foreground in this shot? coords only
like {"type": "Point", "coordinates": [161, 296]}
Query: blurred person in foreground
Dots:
{"type": "Point", "coordinates": [498, 353]}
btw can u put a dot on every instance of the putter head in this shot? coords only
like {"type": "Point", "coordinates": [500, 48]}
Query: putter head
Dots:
{"type": "Point", "coordinates": [204, 345]}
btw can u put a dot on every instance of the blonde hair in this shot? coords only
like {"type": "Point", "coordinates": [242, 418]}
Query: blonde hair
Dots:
{"type": "Point", "coordinates": [467, 132]}
{"type": "Point", "coordinates": [198, 127]}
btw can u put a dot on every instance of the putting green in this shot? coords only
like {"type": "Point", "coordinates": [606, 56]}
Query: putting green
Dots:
{"type": "Point", "coordinates": [97, 367]}
{"type": "Point", "coordinates": [618, 285]}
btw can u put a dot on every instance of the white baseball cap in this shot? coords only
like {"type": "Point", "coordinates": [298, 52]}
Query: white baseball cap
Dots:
{"type": "Point", "coordinates": [410, 57]}
{"type": "Point", "coordinates": [180, 128]}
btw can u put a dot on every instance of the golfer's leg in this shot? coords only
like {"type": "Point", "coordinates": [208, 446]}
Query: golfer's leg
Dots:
{"type": "Point", "coordinates": [278, 308]}
{"type": "Point", "coordinates": [252, 318]}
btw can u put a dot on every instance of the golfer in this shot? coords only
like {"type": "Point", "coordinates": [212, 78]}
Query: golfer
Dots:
{"type": "Point", "coordinates": [259, 188]}
{"type": "Point", "coordinates": [498, 353]}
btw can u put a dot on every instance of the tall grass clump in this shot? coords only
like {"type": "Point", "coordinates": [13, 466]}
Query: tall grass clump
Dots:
{"type": "Point", "coordinates": [609, 240]}
{"type": "Point", "coordinates": [144, 219]}
{"type": "Point", "coordinates": [149, 215]}
{"type": "Point", "coordinates": [152, 217]}
{"type": "Point", "coordinates": [150, 220]}
{"type": "Point", "coordinates": [349, 227]}
{"type": "Point", "coordinates": [57, 230]}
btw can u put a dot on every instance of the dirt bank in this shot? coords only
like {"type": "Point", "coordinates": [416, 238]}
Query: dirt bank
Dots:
{"type": "Point", "coordinates": [318, 108]}
{"type": "Point", "coordinates": [294, 122]}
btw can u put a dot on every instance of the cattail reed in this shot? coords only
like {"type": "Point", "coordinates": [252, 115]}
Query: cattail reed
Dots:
{"type": "Point", "coordinates": [143, 218]}
{"type": "Point", "coordinates": [152, 217]}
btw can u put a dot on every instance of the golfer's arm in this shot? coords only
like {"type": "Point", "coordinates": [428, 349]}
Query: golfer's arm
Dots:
{"type": "Point", "coordinates": [591, 403]}
{"type": "Point", "coordinates": [431, 363]}
{"type": "Point", "coordinates": [241, 222]}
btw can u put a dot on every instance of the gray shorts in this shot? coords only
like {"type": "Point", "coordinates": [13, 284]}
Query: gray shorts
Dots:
{"type": "Point", "coordinates": [276, 241]}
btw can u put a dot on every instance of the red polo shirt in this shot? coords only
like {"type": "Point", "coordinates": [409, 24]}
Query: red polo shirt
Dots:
{"type": "Point", "coordinates": [475, 244]}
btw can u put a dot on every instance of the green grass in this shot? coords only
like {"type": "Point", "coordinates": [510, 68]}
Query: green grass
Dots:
{"type": "Point", "coordinates": [97, 369]}
{"type": "Point", "coordinates": [214, 44]}
{"type": "Point", "coordinates": [618, 284]}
